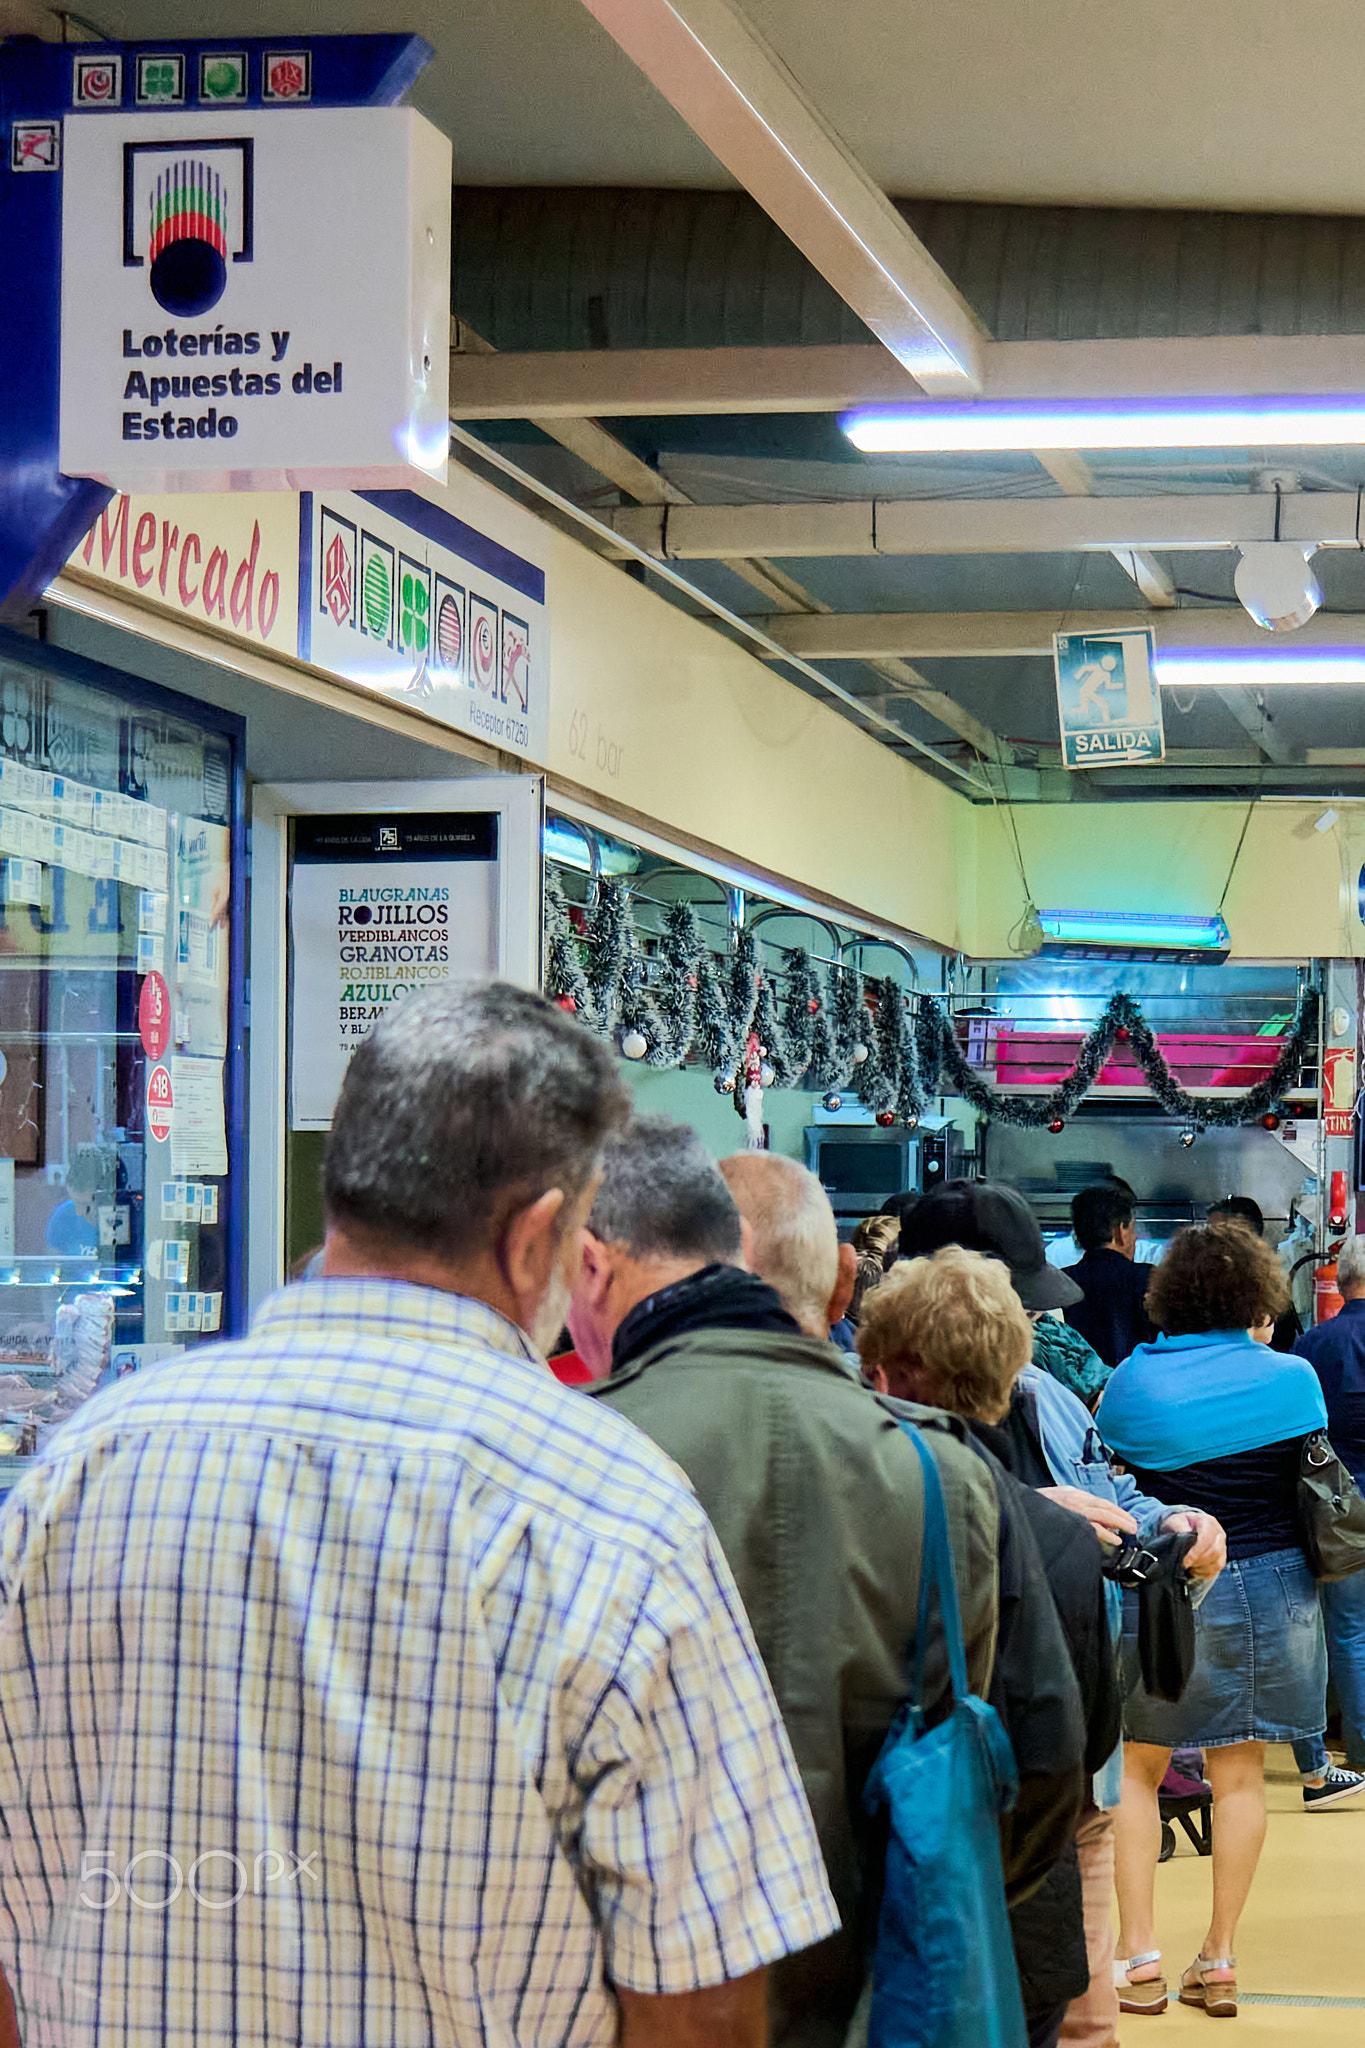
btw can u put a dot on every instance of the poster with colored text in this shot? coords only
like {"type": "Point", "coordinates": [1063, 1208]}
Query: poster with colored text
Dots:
{"type": "Point", "coordinates": [380, 908]}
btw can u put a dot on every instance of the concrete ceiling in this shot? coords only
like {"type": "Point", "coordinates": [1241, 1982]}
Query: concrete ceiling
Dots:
{"type": "Point", "coordinates": [1238, 104]}
{"type": "Point", "coordinates": [1234, 105]}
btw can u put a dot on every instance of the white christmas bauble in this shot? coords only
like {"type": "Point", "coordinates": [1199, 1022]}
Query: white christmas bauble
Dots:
{"type": "Point", "coordinates": [634, 1045]}
{"type": "Point", "coordinates": [859, 1055]}
{"type": "Point", "coordinates": [767, 1075]}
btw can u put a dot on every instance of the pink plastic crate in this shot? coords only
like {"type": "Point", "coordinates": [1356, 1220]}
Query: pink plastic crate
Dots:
{"type": "Point", "coordinates": [1032, 1059]}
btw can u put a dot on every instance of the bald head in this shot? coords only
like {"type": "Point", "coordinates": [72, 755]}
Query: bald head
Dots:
{"type": "Point", "coordinates": [796, 1245]}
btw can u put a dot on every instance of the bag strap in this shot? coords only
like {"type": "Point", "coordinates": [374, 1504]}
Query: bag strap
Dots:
{"type": "Point", "coordinates": [937, 1575]}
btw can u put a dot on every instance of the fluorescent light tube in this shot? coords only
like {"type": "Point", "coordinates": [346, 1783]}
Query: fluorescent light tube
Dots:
{"type": "Point", "coordinates": [995, 425]}
{"type": "Point", "coordinates": [1186, 668]}
{"type": "Point", "coordinates": [1134, 928]}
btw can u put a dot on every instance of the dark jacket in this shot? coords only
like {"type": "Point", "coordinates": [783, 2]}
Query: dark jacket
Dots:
{"type": "Point", "coordinates": [1111, 1318]}
{"type": "Point", "coordinates": [1336, 1352]}
{"type": "Point", "coordinates": [816, 1497]}
{"type": "Point", "coordinates": [1049, 1927]}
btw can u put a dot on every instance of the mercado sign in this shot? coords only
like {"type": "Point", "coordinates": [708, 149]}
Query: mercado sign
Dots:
{"type": "Point", "coordinates": [229, 559]}
{"type": "Point", "coordinates": [441, 610]}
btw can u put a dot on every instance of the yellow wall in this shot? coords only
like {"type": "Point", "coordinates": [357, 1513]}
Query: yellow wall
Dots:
{"type": "Point", "coordinates": [653, 711]}
{"type": "Point", "coordinates": [1292, 894]}
{"type": "Point", "coordinates": [658, 714]}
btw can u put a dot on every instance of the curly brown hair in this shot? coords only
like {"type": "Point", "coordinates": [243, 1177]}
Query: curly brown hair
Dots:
{"type": "Point", "coordinates": [1216, 1276]}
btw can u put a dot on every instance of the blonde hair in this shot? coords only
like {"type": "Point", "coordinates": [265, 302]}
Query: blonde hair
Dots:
{"type": "Point", "coordinates": [796, 1240]}
{"type": "Point", "coordinates": [875, 1234]}
{"type": "Point", "coordinates": [955, 1322]}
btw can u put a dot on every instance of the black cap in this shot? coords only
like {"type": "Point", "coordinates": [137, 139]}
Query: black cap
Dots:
{"type": "Point", "coordinates": [987, 1216]}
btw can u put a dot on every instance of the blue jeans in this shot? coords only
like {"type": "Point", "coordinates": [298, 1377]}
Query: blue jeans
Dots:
{"type": "Point", "coordinates": [1343, 1614]}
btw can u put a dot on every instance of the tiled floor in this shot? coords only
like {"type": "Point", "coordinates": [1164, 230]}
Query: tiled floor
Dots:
{"type": "Point", "coordinates": [1301, 1936]}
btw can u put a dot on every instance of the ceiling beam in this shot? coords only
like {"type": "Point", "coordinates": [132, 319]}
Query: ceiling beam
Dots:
{"type": "Point", "coordinates": [600, 449]}
{"type": "Point", "coordinates": [828, 378]}
{"type": "Point", "coordinates": [994, 526]}
{"type": "Point", "coordinates": [1077, 480]}
{"type": "Point", "coordinates": [1248, 707]}
{"type": "Point", "coordinates": [939, 636]}
{"type": "Point", "coordinates": [737, 95]}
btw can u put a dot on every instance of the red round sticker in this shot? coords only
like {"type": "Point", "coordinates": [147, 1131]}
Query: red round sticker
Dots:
{"type": "Point", "coordinates": [159, 1102]}
{"type": "Point", "coordinates": [154, 1016]}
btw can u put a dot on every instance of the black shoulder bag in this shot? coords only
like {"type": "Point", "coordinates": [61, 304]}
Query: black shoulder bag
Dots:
{"type": "Point", "coordinates": [1331, 1511]}
{"type": "Point", "coordinates": [1155, 1571]}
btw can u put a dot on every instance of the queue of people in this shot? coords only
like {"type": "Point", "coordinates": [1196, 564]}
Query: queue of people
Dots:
{"type": "Point", "coordinates": [360, 1680]}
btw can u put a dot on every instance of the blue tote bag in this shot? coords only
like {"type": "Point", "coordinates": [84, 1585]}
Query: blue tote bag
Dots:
{"type": "Point", "coordinates": [944, 1974]}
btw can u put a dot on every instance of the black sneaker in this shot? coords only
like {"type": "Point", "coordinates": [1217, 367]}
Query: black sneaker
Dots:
{"type": "Point", "coordinates": [1336, 1786]}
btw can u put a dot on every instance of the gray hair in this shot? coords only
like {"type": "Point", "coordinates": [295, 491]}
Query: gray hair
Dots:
{"type": "Point", "coordinates": [1351, 1263]}
{"type": "Point", "coordinates": [464, 1104]}
{"type": "Point", "coordinates": [796, 1240]}
{"type": "Point", "coordinates": [662, 1195]}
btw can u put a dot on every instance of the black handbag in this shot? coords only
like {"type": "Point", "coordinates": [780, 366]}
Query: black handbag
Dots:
{"type": "Point", "coordinates": [1331, 1511]}
{"type": "Point", "coordinates": [1155, 1571]}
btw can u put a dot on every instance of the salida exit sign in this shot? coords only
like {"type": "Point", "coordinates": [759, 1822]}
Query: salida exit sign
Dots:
{"type": "Point", "coordinates": [257, 299]}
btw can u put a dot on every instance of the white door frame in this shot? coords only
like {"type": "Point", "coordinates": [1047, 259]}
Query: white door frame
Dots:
{"type": "Point", "coordinates": [518, 800]}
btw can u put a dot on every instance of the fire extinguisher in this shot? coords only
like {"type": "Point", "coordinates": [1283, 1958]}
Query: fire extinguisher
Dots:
{"type": "Point", "coordinates": [1327, 1298]}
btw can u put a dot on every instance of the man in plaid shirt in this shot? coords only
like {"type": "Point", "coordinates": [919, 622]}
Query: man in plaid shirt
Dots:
{"type": "Point", "coordinates": [358, 1683]}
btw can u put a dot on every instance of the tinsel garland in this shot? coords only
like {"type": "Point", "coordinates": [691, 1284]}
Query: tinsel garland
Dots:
{"type": "Point", "coordinates": [912, 1056]}
{"type": "Point", "coordinates": [940, 1050]}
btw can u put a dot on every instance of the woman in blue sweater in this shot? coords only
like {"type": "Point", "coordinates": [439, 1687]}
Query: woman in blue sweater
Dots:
{"type": "Point", "coordinates": [1208, 1415]}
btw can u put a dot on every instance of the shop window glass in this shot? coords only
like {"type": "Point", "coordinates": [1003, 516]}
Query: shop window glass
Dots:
{"type": "Point", "coordinates": [120, 1035]}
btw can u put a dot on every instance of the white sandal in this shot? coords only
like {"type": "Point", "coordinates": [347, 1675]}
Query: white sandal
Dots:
{"type": "Point", "coordinates": [1218, 2000]}
{"type": "Point", "coordinates": [1149, 1994]}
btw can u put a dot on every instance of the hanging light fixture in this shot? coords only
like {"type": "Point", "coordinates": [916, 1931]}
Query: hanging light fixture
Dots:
{"type": "Point", "coordinates": [1276, 585]}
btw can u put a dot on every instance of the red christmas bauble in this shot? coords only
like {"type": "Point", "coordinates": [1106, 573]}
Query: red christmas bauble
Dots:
{"type": "Point", "coordinates": [1270, 1122]}
{"type": "Point", "coordinates": [1122, 1034]}
{"type": "Point", "coordinates": [1056, 1125]}
{"type": "Point", "coordinates": [567, 1003]}
{"type": "Point", "coordinates": [812, 1006]}
{"type": "Point", "coordinates": [886, 1117]}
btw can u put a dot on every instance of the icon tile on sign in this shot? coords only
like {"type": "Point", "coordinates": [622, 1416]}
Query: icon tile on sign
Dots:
{"type": "Point", "coordinates": [97, 81]}
{"type": "Point", "coordinates": [35, 146]}
{"type": "Point", "coordinates": [222, 77]}
{"type": "Point", "coordinates": [287, 75]}
{"type": "Point", "coordinates": [160, 79]}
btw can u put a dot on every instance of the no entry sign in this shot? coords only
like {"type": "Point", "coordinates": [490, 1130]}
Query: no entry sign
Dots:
{"type": "Point", "coordinates": [160, 1103]}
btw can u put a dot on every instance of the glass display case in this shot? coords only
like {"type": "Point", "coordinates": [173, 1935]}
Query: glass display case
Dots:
{"type": "Point", "coordinates": [121, 1042]}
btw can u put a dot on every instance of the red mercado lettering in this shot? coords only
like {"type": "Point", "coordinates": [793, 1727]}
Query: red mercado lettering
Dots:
{"type": "Point", "coordinates": [144, 540]}
{"type": "Point", "coordinates": [187, 596]}
{"type": "Point", "coordinates": [250, 598]}
{"type": "Point", "coordinates": [215, 584]}
{"type": "Point", "coordinates": [110, 530]}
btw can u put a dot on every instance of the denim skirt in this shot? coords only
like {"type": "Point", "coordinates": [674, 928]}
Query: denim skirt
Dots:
{"type": "Point", "coordinates": [1260, 1671]}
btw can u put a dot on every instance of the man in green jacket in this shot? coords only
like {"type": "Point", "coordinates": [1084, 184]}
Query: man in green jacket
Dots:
{"type": "Point", "coordinates": [814, 1493]}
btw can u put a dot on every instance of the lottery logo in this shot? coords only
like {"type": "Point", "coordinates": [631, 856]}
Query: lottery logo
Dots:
{"type": "Point", "coordinates": [483, 645]}
{"type": "Point", "coordinates": [160, 80]}
{"type": "Point", "coordinates": [516, 661]}
{"type": "Point", "coordinates": [287, 75]}
{"type": "Point", "coordinates": [222, 76]}
{"type": "Point", "coordinates": [97, 81]}
{"type": "Point", "coordinates": [448, 636]}
{"type": "Point", "coordinates": [336, 593]}
{"type": "Point", "coordinates": [376, 589]}
{"type": "Point", "coordinates": [187, 219]}
{"type": "Point", "coordinates": [35, 146]}
{"type": "Point", "coordinates": [414, 608]}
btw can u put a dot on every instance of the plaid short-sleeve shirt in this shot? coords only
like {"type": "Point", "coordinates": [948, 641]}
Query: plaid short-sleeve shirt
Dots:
{"type": "Point", "coordinates": [360, 1684]}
